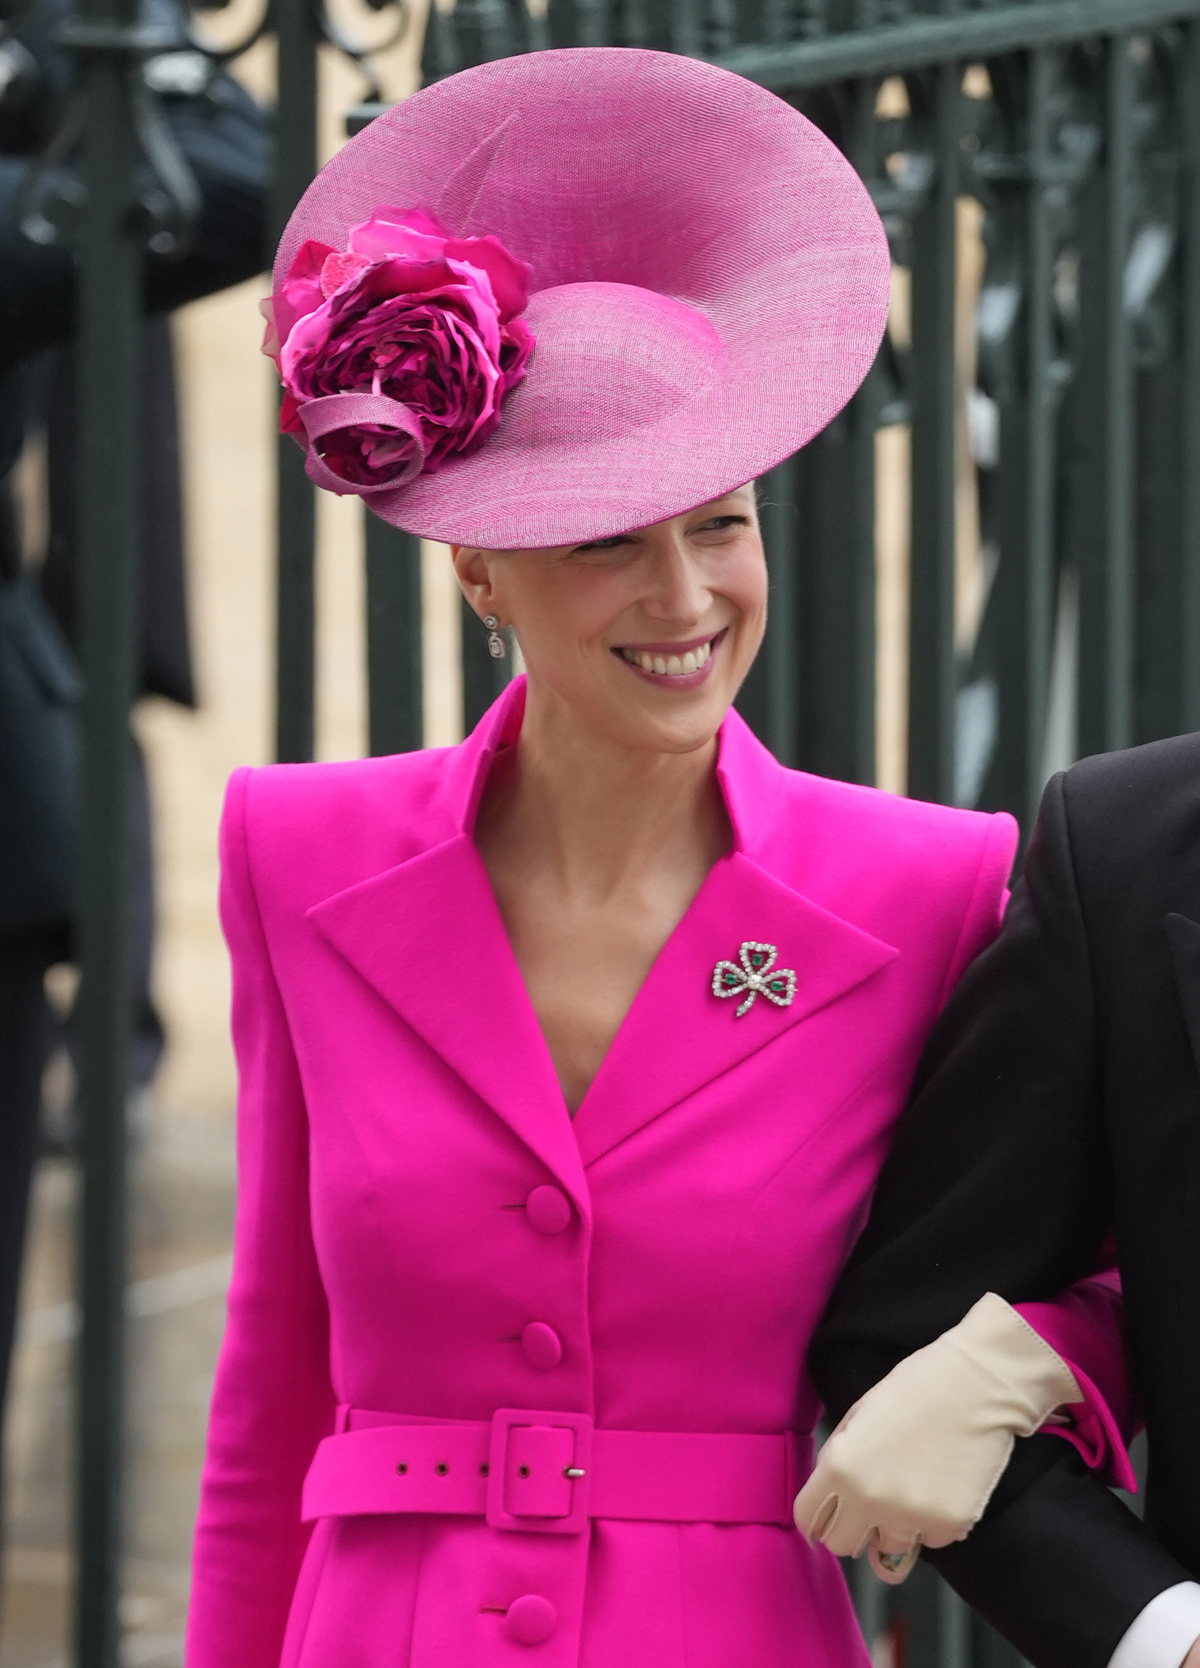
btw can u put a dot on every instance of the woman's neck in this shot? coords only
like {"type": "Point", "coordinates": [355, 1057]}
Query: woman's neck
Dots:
{"type": "Point", "coordinates": [596, 817]}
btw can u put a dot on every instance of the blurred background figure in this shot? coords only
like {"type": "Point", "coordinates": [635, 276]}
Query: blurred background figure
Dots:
{"type": "Point", "coordinates": [224, 137]}
{"type": "Point", "coordinates": [165, 658]}
{"type": "Point", "coordinates": [38, 689]}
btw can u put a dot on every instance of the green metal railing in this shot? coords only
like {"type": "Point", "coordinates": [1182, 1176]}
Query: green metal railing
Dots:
{"type": "Point", "coordinates": [1083, 151]}
{"type": "Point", "coordinates": [1075, 125]}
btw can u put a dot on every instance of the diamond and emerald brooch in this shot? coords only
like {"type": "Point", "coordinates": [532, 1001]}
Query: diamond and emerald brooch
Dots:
{"type": "Point", "coordinates": [754, 978]}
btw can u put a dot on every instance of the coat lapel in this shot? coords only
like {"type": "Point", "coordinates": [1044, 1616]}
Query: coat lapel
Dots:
{"type": "Point", "coordinates": [678, 1036]}
{"type": "Point", "coordinates": [1183, 936]}
{"type": "Point", "coordinates": [429, 938]}
{"type": "Point", "coordinates": [427, 935]}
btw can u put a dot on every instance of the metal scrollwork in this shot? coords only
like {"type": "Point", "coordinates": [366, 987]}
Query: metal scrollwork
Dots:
{"type": "Point", "coordinates": [1004, 164]}
{"type": "Point", "coordinates": [362, 52]}
{"type": "Point", "coordinates": [53, 196]}
{"type": "Point", "coordinates": [221, 53]}
{"type": "Point", "coordinates": [168, 57]}
{"type": "Point", "coordinates": [325, 24]}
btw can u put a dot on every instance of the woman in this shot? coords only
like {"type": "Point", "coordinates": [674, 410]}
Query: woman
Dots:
{"type": "Point", "coordinates": [568, 1055]}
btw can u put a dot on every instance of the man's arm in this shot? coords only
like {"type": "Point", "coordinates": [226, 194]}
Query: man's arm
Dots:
{"type": "Point", "coordinates": [998, 1177]}
{"type": "Point", "coordinates": [1061, 1567]}
{"type": "Point", "coordinates": [999, 1180]}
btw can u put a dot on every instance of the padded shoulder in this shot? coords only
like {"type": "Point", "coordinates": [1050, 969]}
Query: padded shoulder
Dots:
{"type": "Point", "coordinates": [311, 830]}
{"type": "Point", "coordinates": [902, 869]}
{"type": "Point", "coordinates": [1132, 825]}
{"type": "Point", "coordinates": [1151, 789]}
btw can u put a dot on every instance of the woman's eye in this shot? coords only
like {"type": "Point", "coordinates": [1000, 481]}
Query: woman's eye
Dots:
{"type": "Point", "coordinates": [604, 547]}
{"type": "Point", "coordinates": [722, 523]}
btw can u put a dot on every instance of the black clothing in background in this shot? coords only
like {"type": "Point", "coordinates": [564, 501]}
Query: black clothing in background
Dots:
{"type": "Point", "coordinates": [1058, 1095]}
{"type": "Point", "coordinates": [24, 958]}
{"type": "Point", "coordinates": [36, 789]}
{"type": "Point", "coordinates": [225, 137]}
{"type": "Point", "coordinates": [226, 140]}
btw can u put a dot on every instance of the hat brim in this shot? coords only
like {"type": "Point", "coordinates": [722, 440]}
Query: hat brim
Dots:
{"type": "Point", "coordinates": [710, 282]}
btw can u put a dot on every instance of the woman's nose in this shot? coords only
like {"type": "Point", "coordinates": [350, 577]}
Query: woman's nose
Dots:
{"type": "Point", "coordinates": [678, 591]}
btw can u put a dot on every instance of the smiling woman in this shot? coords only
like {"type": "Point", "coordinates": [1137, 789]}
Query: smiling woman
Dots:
{"type": "Point", "coordinates": [534, 1224]}
{"type": "Point", "coordinates": [682, 604]}
{"type": "Point", "coordinates": [598, 829]}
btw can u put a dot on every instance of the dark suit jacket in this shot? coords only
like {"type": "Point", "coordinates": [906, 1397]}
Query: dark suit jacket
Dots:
{"type": "Point", "coordinates": [1059, 1094]}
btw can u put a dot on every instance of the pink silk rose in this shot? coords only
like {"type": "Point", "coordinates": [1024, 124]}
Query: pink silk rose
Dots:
{"type": "Point", "coordinates": [407, 316]}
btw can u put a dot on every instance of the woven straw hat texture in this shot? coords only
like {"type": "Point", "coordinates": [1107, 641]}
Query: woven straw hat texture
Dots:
{"type": "Point", "coordinates": [710, 282]}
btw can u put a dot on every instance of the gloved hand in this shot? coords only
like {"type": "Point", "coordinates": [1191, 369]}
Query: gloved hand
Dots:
{"type": "Point", "coordinates": [915, 1460]}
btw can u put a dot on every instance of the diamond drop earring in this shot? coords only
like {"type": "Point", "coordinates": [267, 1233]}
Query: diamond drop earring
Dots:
{"type": "Point", "coordinates": [495, 642]}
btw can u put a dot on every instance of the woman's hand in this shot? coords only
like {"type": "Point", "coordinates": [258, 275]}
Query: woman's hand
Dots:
{"type": "Point", "coordinates": [914, 1462]}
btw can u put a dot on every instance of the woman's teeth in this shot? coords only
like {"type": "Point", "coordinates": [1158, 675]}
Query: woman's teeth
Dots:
{"type": "Point", "coordinates": [671, 665]}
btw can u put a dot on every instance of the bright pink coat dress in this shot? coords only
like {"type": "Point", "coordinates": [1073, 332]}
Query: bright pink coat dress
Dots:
{"type": "Point", "coordinates": [423, 1234]}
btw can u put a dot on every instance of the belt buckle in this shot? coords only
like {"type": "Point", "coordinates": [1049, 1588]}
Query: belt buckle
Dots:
{"type": "Point", "coordinates": [539, 1435]}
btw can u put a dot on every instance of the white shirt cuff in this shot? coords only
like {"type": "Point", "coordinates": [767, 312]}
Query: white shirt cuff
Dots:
{"type": "Point", "coordinates": [1165, 1631]}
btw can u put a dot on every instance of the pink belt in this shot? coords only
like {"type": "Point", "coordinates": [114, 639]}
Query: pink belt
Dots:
{"type": "Point", "coordinates": [549, 1471]}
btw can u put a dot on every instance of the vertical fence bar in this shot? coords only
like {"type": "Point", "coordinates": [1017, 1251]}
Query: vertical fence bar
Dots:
{"type": "Point", "coordinates": [1038, 532]}
{"type": "Point", "coordinates": [1022, 603]}
{"type": "Point", "coordinates": [109, 308]}
{"type": "Point", "coordinates": [870, 1603]}
{"type": "Point", "coordinates": [1188, 95]}
{"type": "Point", "coordinates": [931, 680]}
{"type": "Point", "coordinates": [483, 30]}
{"type": "Point", "coordinates": [395, 661]}
{"type": "Point", "coordinates": [1159, 400]}
{"type": "Point", "coordinates": [860, 735]}
{"type": "Point", "coordinates": [296, 532]}
{"type": "Point", "coordinates": [1167, 585]}
{"type": "Point", "coordinates": [775, 719]}
{"type": "Point", "coordinates": [852, 755]}
{"type": "Point", "coordinates": [1106, 648]}
{"type": "Point", "coordinates": [811, 694]}
{"type": "Point", "coordinates": [954, 1630]}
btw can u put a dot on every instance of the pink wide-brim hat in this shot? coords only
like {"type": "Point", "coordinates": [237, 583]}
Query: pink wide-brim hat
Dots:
{"type": "Point", "coordinates": [709, 287]}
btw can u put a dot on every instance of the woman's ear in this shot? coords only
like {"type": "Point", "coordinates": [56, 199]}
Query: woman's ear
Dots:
{"type": "Point", "coordinates": [474, 577]}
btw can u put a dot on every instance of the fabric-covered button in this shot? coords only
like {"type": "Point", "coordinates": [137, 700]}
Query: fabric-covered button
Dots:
{"type": "Point", "coordinates": [531, 1619]}
{"type": "Point", "coordinates": [547, 1210]}
{"type": "Point", "coordinates": [542, 1346]}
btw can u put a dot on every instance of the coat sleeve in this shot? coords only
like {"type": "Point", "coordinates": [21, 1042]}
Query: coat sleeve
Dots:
{"type": "Point", "coordinates": [272, 1402]}
{"type": "Point", "coordinates": [1086, 1326]}
{"type": "Point", "coordinates": [999, 1180]}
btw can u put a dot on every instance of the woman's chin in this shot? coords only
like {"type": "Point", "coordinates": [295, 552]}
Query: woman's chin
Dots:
{"type": "Point", "coordinates": [631, 713]}
{"type": "Point", "coordinates": [687, 722]}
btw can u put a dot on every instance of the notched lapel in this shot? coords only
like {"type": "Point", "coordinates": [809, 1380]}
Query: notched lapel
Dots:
{"type": "Point", "coordinates": [678, 1036]}
{"type": "Point", "coordinates": [1183, 936]}
{"type": "Point", "coordinates": [428, 936]}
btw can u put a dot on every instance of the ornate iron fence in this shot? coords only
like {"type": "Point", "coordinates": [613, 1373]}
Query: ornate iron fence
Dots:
{"type": "Point", "coordinates": [1068, 426]}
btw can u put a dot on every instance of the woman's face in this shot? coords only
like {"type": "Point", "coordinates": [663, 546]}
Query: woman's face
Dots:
{"type": "Point", "coordinates": [645, 637]}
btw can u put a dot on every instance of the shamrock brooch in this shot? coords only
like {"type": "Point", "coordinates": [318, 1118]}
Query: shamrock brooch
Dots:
{"type": "Point", "coordinates": [754, 978]}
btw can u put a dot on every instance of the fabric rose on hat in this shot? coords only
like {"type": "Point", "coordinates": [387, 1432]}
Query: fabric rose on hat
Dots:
{"type": "Point", "coordinates": [396, 353]}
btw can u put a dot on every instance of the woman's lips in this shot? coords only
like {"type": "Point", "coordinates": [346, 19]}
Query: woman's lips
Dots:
{"type": "Point", "coordinates": [673, 665]}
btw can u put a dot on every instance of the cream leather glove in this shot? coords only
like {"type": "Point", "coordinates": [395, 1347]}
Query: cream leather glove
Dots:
{"type": "Point", "coordinates": [914, 1462]}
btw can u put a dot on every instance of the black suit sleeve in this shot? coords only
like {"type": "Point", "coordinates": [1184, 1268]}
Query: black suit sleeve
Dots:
{"type": "Point", "coordinates": [999, 1180]}
{"type": "Point", "coordinates": [1058, 1564]}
